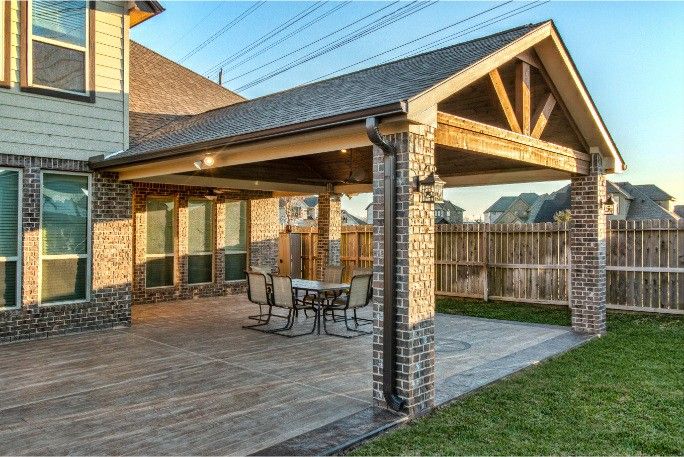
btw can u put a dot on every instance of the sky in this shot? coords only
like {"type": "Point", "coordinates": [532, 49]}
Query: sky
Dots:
{"type": "Point", "coordinates": [630, 55]}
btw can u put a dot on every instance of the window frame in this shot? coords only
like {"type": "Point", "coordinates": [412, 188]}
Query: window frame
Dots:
{"type": "Point", "coordinates": [212, 239]}
{"type": "Point", "coordinates": [174, 231]}
{"type": "Point", "coordinates": [248, 236]}
{"type": "Point", "coordinates": [5, 43]}
{"type": "Point", "coordinates": [27, 38]}
{"type": "Point", "coordinates": [89, 242]}
{"type": "Point", "coordinates": [19, 257]}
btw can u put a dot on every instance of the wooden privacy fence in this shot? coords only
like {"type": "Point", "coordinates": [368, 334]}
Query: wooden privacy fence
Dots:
{"type": "Point", "coordinates": [531, 262]}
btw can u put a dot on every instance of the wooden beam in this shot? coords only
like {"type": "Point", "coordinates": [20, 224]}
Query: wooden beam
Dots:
{"type": "Point", "coordinates": [542, 115]}
{"type": "Point", "coordinates": [505, 177]}
{"type": "Point", "coordinates": [504, 101]}
{"type": "Point", "coordinates": [530, 57]}
{"type": "Point", "coordinates": [456, 132]}
{"type": "Point", "coordinates": [522, 95]}
{"type": "Point", "coordinates": [228, 183]}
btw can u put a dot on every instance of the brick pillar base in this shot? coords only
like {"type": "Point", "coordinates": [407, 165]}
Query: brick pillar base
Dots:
{"type": "Point", "coordinates": [588, 250]}
{"type": "Point", "coordinates": [415, 274]}
{"type": "Point", "coordinates": [329, 232]}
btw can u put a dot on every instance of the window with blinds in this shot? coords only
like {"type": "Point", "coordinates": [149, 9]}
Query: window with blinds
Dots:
{"type": "Point", "coordinates": [160, 252]}
{"type": "Point", "coordinates": [65, 238]}
{"type": "Point", "coordinates": [236, 240]}
{"type": "Point", "coordinates": [200, 241]}
{"type": "Point", "coordinates": [59, 45]}
{"type": "Point", "coordinates": [10, 236]}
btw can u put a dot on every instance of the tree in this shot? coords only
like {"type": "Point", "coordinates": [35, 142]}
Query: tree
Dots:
{"type": "Point", "coordinates": [563, 216]}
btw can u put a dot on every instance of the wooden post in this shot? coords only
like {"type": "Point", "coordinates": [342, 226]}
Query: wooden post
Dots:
{"type": "Point", "coordinates": [485, 263]}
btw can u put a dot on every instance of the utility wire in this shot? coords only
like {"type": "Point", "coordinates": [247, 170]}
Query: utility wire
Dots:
{"type": "Point", "coordinates": [422, 37]}
{"type": "Point", "coordinates": [267, 36]}
{"type": "Point", "coordinates": [191, 29]}
{"type": "Point", "coordinates": [293, 33]}
{"type": "Point", "coordinates": [223, 30]}
{"type": "Point", "coordinates": [308, 45]}
{"type": "Point", "coordinates": [339, 43]}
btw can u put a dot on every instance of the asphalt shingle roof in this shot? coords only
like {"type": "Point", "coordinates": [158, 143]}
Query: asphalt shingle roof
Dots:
{"type": "Point", "coordinates": [654, 192]}
{"type": "Point", "coordinates": [162, 91]}
{"type": "Point", "coordinates": [370, 88]}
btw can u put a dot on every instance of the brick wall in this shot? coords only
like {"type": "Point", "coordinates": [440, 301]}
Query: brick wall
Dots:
{"type": "Point", "coordinates": [110, 298]}
{"type": "Point", "coordinates": [415, 283]}
{"type": "Point", "coordinates": [181, 194]}
{"type": "Point", "coordinates": [264, 232]}
{"type": "Point", "coordinates": [588, 250]}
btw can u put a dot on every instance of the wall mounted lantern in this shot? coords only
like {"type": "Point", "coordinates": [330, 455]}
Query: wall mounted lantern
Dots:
{"type": "Point", "coordinates": [609, 206]}
{"type": "Point", "coordinates": [431, 188]}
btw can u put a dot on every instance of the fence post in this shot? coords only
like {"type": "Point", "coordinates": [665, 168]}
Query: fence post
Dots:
{"type": "Point", "coordinates": [485, 263]}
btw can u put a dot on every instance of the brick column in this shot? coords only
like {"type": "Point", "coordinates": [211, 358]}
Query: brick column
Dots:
{"type": "Point", "coordinates": [588, 249]}
{"type": "Point", "coordinates": [415, 274]}
{"type": "Point", "coordinates": [264, 231]}
{"type": "Point", "coordinates": [329, 232]}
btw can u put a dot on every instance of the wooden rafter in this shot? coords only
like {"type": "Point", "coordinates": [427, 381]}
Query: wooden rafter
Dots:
{"type": "Point", "coordinates": [542, 114]}
{"type": "Point", "coordinates": [522, 95]}
{"type": "Point", "coordinates": [504, 101]}
{"type": "Point", "coordinates": [459, 133]}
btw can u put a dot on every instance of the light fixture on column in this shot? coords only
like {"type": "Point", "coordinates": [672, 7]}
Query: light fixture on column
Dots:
{"type": "Point", "coordinates": [609, 206]}
{"type": "Point", "coordinates": [431, 188]}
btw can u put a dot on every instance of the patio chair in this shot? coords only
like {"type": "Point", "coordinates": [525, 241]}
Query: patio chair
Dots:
{"type": "Point", "coordinates": [358, 297]}
{"type": "Point", "coordinates": [332, 274]}
{"type": "Point", "coordinates": [258, 293]}
{"type": "Point", "coordinates": [267, 274]}
{"type": "Point", "coordinates": [285, 297]}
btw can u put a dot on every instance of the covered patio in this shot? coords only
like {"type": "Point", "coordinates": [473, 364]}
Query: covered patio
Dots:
{"type": "Point", "coordinates": [187, 379]}
{"type": "Point", "coordinates": [507, 108]}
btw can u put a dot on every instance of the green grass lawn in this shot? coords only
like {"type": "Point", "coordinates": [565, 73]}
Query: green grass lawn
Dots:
{"type": "Point", "coordinates": [620, 394]}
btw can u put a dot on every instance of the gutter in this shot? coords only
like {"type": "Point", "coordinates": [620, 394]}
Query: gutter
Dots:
{"type": "Point", "coordinates": [100, 162]}
{"type": "Point", "coordinates": [389, 321]}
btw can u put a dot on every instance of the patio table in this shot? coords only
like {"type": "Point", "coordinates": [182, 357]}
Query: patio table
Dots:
{"type": "Point", "coordinates": [318, 288]}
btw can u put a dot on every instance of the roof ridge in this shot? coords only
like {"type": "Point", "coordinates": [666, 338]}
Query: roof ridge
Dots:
{"type": "Point", "coordinates": [391, 62]}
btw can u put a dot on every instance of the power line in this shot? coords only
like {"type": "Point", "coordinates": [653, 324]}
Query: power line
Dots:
{"type": "Point", "coordinates": [223, 30]}
{"type": "Point", "coordinates": [264, 38]}
{"type": "Point", "coordinates": [308, 45]}
{"type": "Point", "coordinates": [197, 24]}
{"type": "Point", "coordinates": [410, 42]}
{"type": "Point", "coordinates": [293, 33]}
{"type": "Point", "coordinates": [372, 28]}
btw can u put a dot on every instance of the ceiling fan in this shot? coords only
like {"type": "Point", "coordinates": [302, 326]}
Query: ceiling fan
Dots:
{"type": "Point", "coordinates": [356, 174]}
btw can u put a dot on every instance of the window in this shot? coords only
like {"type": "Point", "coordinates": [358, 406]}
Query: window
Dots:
{"type": "Point", "coordinates": [10, 238]}
{"type": "Point", "coordinates": [200, 241]}
{"type": "Point", "coordinates": [236, 240]}
{"type": "Point", "coordinates": [65, 238]}
{"type": "Point", "coordinates": [58, 45]}
{"type": "Point", "coordinates": [160, 253]}
{"type": "Point", "coordinates": [5, 43]}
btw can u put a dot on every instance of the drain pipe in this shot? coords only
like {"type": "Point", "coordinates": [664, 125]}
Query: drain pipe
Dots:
{"type": "Point", "coordinates": [389, 332]}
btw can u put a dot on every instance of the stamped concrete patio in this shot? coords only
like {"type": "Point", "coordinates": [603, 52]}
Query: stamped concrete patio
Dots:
{"type": "Point", "coordinates": [187, 379]}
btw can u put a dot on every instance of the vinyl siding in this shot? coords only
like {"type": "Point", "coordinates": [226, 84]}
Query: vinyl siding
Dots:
{"type": "Point", "coordinates": [38, 125]}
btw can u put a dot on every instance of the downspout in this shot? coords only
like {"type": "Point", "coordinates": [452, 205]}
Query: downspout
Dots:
{"type": "Point", "coordinates": [389, 331]}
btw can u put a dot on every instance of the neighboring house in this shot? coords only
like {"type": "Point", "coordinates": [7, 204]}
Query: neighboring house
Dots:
{"type": "Point", "coordinates": [304, 211]}
{"type": "Point", "coordinates": [445, 213]}
{"type": "Point", "coordinates": [516, 208]}
{"type": "Point", "coordinates": [350, 219]}
{"type": "Point", "coordinates": [679, 210]}
{"type": "Point", "coordinates": [633, 202]}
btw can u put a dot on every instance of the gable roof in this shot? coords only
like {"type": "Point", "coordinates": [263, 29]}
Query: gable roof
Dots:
{"type": "Point", "coordinates": [501, 205]}
{"type": "Point", "coordinates": [379, 90]}
{"type": "Point", "coordinates": [654, 192]}
{"type": "Point", "coordinates": [350, 219]}
{"type": "Point", "coordinates": [679, 210]}
{"type": "Point", "coordinates": [162, 91]}
{"type": "Point", "coordinates": [642, 206]}
{"type": "Point", "coordinates": [448, 205]}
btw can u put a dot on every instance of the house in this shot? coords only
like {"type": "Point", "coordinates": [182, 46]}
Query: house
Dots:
{"type": "Point", "coordinates": [112, 196]}
{"type": "Point", "coordinates": [350, 219]}
{"type": "Point", "coordinates": [632, 202]}
{"type": "Point", "coordinates": [445, 213]}
{"type": "Point", "coordinates": [679, 210]}
{"type": "Point", "coordinates": [303, 211]}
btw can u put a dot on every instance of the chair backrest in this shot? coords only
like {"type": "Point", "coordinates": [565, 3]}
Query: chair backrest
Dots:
{"type": "Point", "coordinates": [333, 273]}
{"type": "Point", "coordinates": [361, 271]}
{"type": "Point", "coordinates": [283, 295]}
{"type": "Point", "coordinates": [359, 291]}
{"type": "Point", "coordinates": [262, 270]}
{"type": "Point", "coordinates": [256, 288]}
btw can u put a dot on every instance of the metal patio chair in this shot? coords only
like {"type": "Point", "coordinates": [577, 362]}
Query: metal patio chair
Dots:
{"type": "Point", "coordinates": [332, 274]}
{"type": "Point", "coordinates": [285, 297]}
{"type": "Point", "coordinates": [258, 293]}
{"type": "Point", "coordinates": [267, 274]}
{"type": "Point", "coordinates": [358, 297]}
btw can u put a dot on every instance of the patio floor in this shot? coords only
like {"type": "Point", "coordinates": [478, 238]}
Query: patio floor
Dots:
{"type": "Point", "coordinates": [187, 379]}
